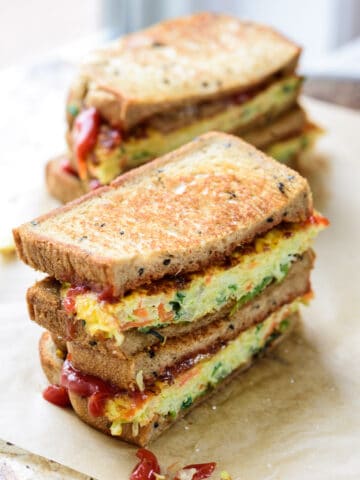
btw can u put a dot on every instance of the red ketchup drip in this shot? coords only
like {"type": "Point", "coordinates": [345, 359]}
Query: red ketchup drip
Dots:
{"type": "Point", "coordinates": [68, 168]}
{"type": "Point", "coordinates": [317, 219]}
{"type": "Point", "coordinates": [147, 467]}
{"type": "Point", "coordinates": [94, 388]}
{"type": "Point", "coordinates": [57, 394]}
{"type": "Point", "coordinates": [107, 295]}
{"type": "Point", "coordinates": [97, 390]}
{"type": "Point", "coordinates": [110, 138]}
{"type": "Point", "coordinates": [203, 470]}
{"type": "Point", "coordinates": [69, 300]}
{"type": "Point", "coordinates": [242, 97]}
{"type": "Point", "coordinates": [85, 133]}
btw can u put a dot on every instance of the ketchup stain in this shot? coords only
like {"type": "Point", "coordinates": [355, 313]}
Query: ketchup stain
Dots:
{"type": "Point", "coordinates": [85, 133]}
{"type": "Point", "coordinates": [57, 394]}
{"type": "Point", "coordinates": [317, 219]}
{"type": "Point", "coordinates": [69, 300]}
{"type": "Point", "coordinates": [95, 389]}
{"type": "Point", "coordinates": [107, 295]}
{"type": "Point", "coordinates": [68, 168]}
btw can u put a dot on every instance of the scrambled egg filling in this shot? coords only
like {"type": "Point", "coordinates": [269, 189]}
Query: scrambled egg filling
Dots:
{"type": "Point", "coordinates": [273, 100]}
{"type": "Point", "coordinates": [285, 151]}
{"type": "Point", "coordinates": [251, 271]}
{"type": "Point", "coordinates": [191, 384]}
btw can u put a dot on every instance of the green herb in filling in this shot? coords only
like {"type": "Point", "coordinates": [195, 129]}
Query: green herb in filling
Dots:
{"type": "Point", "coordinates": [141, 155]}
{"type": "Point", "coordinates": [187, 403]}
{"type": "Point", "coordinates": [220, 299]}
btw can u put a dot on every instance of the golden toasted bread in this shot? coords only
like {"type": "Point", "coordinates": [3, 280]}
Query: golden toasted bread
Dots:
{"type": "Point", "coordinates": [176, 214]}
{"type": "Point", "coordinates": [199, 57]}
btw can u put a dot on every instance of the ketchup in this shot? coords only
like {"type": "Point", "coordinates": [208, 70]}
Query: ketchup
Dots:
{"type": "Point", "coordinates": [96, 403]}
{"type": "Point", "coordinates": [107, 295]}
{"type": "Point", "coordinates": [147, 467]}
{"type": "Point", "coordinates": [94, 388]}
{"type": "Point", "coordinates": [85, 133]}
{"type": "Point", "coordinates": [203, 470]}
{"type": "Point", "coordinates": [110, 138]}
{"type": "Point", "coordinates": [68, 168]}
{"type": "Point", "coordinates": [97, 390]}
{"type": "Point", "coordinates": [58, 395]}
{"type": "Point", "coordinates": [83, 384]}
{"type": "Point", "coordinates": [69, 300]}
{"type": "Point", "coordinates": [104, 295]}
{"type": "Point", "coordinates": [242, 97]}
{"type": "Point", "coordinates": [317, 219]}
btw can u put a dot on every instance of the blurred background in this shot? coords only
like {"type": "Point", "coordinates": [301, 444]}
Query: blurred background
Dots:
{"type": "Point", "coordinates": [329, 30]}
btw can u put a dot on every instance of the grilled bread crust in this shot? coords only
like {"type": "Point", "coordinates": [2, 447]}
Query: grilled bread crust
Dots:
{"type": "Point", "coordinates": [156, 69]}
{"type": "Point", "coordinates": [174, 215]}
{"type": "Point", "coordinates": [145, 352]}
{"type": "Point", "coordinates": [148, 433]}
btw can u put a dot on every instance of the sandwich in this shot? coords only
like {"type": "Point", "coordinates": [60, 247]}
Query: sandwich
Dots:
{"type": "Point", "coordinates": [151, 92]}
{"type": "Point", "coordinates": [165, 284]}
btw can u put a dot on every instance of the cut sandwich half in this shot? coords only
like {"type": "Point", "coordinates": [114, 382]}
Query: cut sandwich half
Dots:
{"type": "Point", "coordinates": [180, 213]}
{"type": "Point", "coordinates": [169, 281]}
{"type": "Point", "coordinates": [148, 93]}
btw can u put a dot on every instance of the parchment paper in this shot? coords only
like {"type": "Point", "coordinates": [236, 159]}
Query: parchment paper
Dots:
{"type": "Point", "coordinates": [294, 415]}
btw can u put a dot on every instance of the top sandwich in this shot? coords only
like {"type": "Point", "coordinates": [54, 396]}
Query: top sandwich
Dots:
{"type": "Point", "coordinates": [178, 214]}
{"type": "Point", "coordinates": [152, 91]}
{"type": "Point", "coordinates": [192, 59]}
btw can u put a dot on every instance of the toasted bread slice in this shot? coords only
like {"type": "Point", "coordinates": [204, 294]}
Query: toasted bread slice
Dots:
{"type": "Point", "coordinates": [139, 351]}
{"type": "Point", "coordinates": [141, 436]}
{"type": "Point", "coordinates": [156, 69]}
{"type": "Point", "coordinates": [176, 214]}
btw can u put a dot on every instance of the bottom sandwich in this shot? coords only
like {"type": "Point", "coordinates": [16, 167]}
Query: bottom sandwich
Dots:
{"type": "Point", "coordinates": [139, 416]}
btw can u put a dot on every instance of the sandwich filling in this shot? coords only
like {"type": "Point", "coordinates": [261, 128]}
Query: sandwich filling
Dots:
{"type": "Point", "coordinates": [248, 271]}
{"type": "Point", "coordinates": [286, 150]}
{"type": "Point", "coordinates": [103, 153]}
{"type": "Point", "coordinates": [169, 399]}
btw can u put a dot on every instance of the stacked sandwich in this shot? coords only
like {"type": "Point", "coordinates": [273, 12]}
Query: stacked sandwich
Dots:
{"type": "Point", "coordinates": [155, 90]}
{"type": "Point", "coordinates": [166, 283]}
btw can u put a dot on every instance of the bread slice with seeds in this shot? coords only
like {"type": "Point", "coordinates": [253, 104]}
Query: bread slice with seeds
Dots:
{"type": "Point", "coordinates": [154, 70]}
{"type": "Point", "coordinates": [176, 214]}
